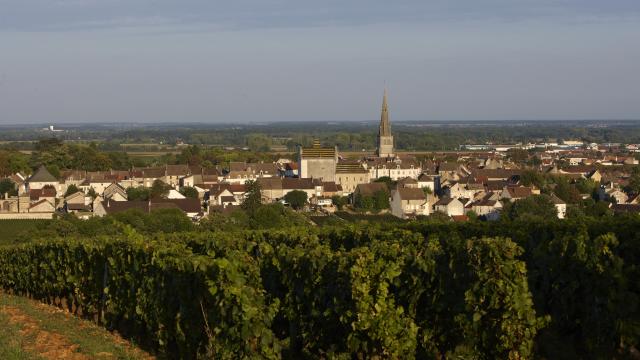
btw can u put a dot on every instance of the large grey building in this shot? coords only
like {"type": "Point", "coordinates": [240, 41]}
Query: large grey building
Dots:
{"type": "Point", "coordinates": [318, 162]}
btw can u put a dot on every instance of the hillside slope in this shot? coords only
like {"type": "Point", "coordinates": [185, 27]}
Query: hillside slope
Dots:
{"type": "Point", "coordinates": [32, 330]}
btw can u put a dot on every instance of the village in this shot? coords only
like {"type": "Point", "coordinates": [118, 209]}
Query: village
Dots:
{"type": "Point", "coordinates": [478, 180]}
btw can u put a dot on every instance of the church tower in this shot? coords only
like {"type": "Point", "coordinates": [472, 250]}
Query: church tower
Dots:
{"type": "Point", "coordinates": [385, 139]}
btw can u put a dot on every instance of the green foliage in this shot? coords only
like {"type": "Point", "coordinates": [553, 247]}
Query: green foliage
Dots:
{"type": "Point", "coordinates": [539, 206]}
{"type": "Point", "coordinates": [183, 303]}
{"type": "Point", "coordinates": [138, 193]}
{"type": "Point", "coordinates": [159, 189]}
{"type": "Point", "coordinates": [374, 203]}
{"type": "Point", "coordinates": [568, 192]}
{"type": "Point", "coordinates": [296, 198]}
{"type": "Point", "coordinates": [57, 155]}
{"type": "Point", "coordinates": [161, 220]}
{"type": "Point", "coordinates": [12, 162]}
{"type": "Point", "coordinates": [189, 192]}
{"type": "Point", "coordinates": [339, 201]}
{"type": "Point", "coordinates": [7, 186]}
{"type": "Point", "coordinates": [634, 181]}
{"type": "Point", "coordinates": [530, 287]}
{"type": "Point", "coordinates": [71, 189]}
{"type": "Point", "coordinates": [253, 196]}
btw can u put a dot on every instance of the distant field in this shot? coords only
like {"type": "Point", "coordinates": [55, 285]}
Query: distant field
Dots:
{"type": "Point", "coordinates": [11, 229]}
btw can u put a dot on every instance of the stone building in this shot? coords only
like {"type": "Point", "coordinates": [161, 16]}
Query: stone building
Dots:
{"type": "Point", "coordinates": [318, 162]}
{"type": "Point", "coordinates": [350, 174]}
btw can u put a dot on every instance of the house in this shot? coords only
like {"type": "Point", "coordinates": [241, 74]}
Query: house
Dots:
{"type": "Point", "coordinates": [41, 178]}
{"type": "Point", "coordinates": [240, 173]}
{"type": "Point", "coordinates": [290, 169]}
{"type": "Point", "coordinates": [175, 194]}
{"type": "Point", "coordinates": [115, 192]}
{"type": "Point", "coordinates": [619, 196]}
{"type": "Point", "coordinates": [488, 207]}
{"type": "Point", "coordinates": [561, 206]}
{"type": "Point", "coordinates": [449, 206]}
{"type": "Point", "coordinates": [407, 202]}
{"type": "Point", "coordinates": [369, 189]}
{"type": "Point", "coordinates": [77, 202]}
{"type": "Point", "coordinates": [513, 193]}
{"type": "Point", "coordinates": [191, 207]}
{"type": "Point", "coordinates": [396, 168]}
{"type": "Point", "coordinates": [271, 189]}
{"type": "Point", "coordinates": [173, 174]}
{"type": "Point", "coordinates": [48, 192]}
{"type": "Point", "coordinates": [42, 206]}
{"type": "Point", "coordinates": [220, 196]}
{"type": "Point", "coordinates": [146, 176]}
{"type": "Point", "coordinates": [431, 182]}
{"type": "Point", "coordinates": [313, 187]}
{"type": "Point", "coordinates": [330, 189]}
{"type": "Point", "coordinates": [595, 175]}
{"type": "Point", "coordinates": [349, 175]}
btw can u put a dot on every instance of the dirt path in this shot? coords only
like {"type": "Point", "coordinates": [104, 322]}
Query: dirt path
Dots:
{"type": "Point", "coordinates": [46, 344]}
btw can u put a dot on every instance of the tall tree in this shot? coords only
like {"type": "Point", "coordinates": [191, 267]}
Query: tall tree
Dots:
{"type": "Point", "coordinates": [253, 196]}
{"type": "Point", "coordinates": [296, 199]}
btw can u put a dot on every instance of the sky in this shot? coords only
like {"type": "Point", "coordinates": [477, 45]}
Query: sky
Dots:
{"type": "Point", "coordinates": [242, 61]}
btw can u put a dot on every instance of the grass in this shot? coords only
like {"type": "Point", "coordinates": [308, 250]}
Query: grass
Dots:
{"type": "Point", "coordinates": [30, 329]}
{"type": "Point", "coordinates": [11, 343]}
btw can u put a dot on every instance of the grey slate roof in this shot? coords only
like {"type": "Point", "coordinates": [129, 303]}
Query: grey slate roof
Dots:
{"type": "Point", "coordinates": [42, 175]}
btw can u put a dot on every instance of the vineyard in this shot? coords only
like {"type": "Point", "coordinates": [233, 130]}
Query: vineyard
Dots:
{"type": "Point", "coordinates": [11, 230]}
{"type": "Point", "coordinates": [418, 290]}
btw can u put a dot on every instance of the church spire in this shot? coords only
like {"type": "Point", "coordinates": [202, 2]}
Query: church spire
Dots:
{"type": "Point", "coordinates": [385, 139]}
{"type": "Point", "coordinates": [385, 127]}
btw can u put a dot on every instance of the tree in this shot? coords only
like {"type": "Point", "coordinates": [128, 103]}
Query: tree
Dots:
{"type": "Point", "coordinates": [534, 206]}
{"type": "Point", "coordinates": [159, 189]}
{"type": "Point", "coordinates": [363, 203]}
{"type": "Point", "coordinates": [380, 200]}
{"type": "Point", "coordinates": [387, 180]}
{"type": "Point", "coordinates": [253, 197]}
{"type": "Point", "coordinates": [339, 201]}
{"type": "Point", "coordinates": [138, 193]}
{"type": "Point", "coordinates": [71, 189]}
{"type": "Point", "coordinates": [189, 192]}
{"type": "Point", "coordinates": [532, 177]}
{"type": "Point", "coordinates": [634, 181]}
{"type": "Point", "coordinates": [7, 186]}
{"type": "Point", "coordinates": [296, 198]}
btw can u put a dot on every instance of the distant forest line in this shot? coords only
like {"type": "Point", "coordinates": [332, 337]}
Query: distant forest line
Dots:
{"type": "Point", "coordinates": [348, 136]}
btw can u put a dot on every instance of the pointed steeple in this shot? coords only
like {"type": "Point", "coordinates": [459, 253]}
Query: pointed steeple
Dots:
{"type": "Point", "coordinates": [385, 127]}
{"type": "Point", "coordinates": [385, 139]}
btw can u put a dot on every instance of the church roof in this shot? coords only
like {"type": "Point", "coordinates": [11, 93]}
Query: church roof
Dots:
{"type": "Point", "coordinates": [317, 151]}
{"type": "Point", "coordinates": [350, 168]}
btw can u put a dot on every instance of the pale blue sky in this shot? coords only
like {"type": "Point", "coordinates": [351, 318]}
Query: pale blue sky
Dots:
{"type": "Point", "coordinates": [289, 60]}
